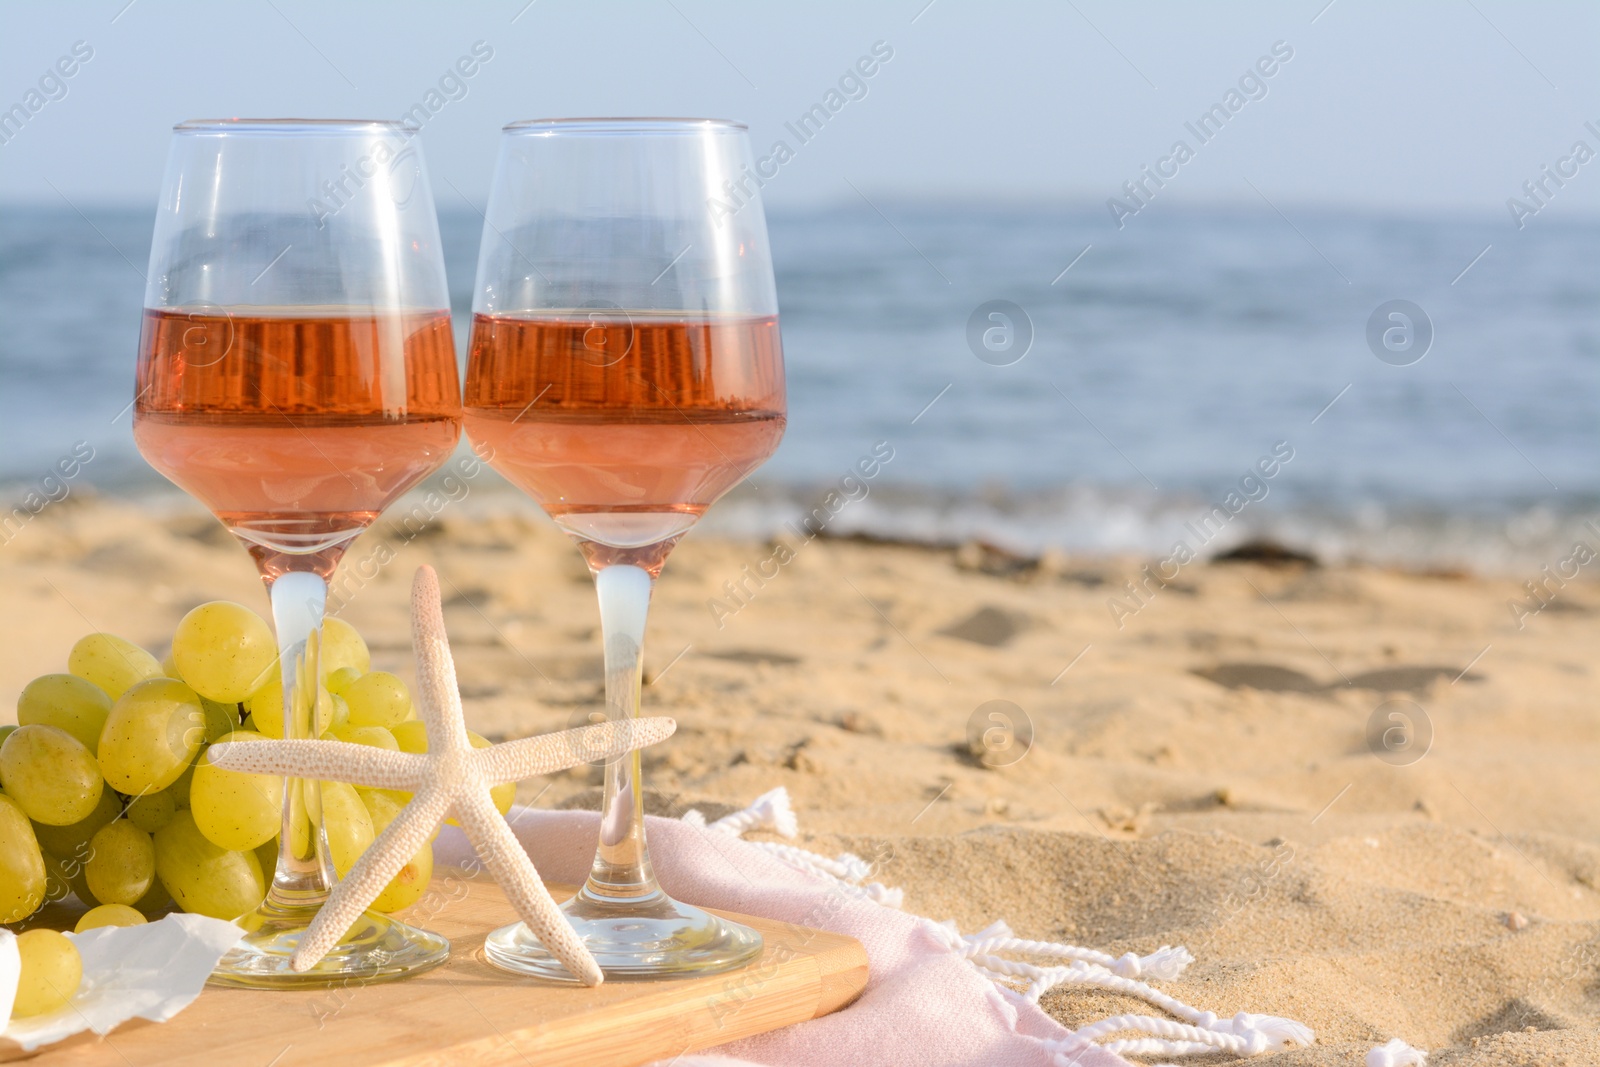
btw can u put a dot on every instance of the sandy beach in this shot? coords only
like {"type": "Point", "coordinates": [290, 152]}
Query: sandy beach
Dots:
{"type": "Point", "coordinates": [1206, 774]}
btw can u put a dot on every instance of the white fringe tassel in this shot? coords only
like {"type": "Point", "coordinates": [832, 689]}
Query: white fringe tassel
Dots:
{"type": "Point", "coordinates": [1397, 1054]}
{"type": "Point", "coordinates": [771, 811]}
{"type": "Point", "coordinates": [1191, 1032]}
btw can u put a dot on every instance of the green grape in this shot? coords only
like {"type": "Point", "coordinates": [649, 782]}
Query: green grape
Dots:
{"type": "Point", "coordinates": [153, 810]}
{"type": "Point", "coordinates": [235, 810]}
{"type": "Point", "coordinates": [113, 664]}
{"type": "Point", "coordinates": [180, 788]}
{"type": "Point", "coordinates": [69, 872]}
{"type": "Point", "coordinates": [378, 699]}
{"type": "Point", "coordinates": [6, 731]}
{"type": "Point", "coordinates": [400, 797]}
{"type": "Point", "coordinates": [50, 774]}
{"type": "Point", "coordinates": [224, 651]}
{"type": "Point", "coordinates": [73, 839]}
{"type": "Point", "coordinates": [203, 877]}
{"type": "Point", "coordinates": [411, 881]}
{"type": "Point", "coordinates": [341, 711]}
{"type": "Point", "coordinates": [22, 870]}
{"type": "Point", "coordinates": [51, 971]}
{"type": "Point", "coordinates": [220, 718]}
{"type": "Point", "coordinates": [384, 801]}
{"type": "Point", "coordinates": [267, 856]}
{"type": "Point", "coordinates": [300, 829]}
{"type": "Point", "coordinates": [169, 667]}
{"type": "Point", "coordinates": [373, 736]}
{"type": "Point", "coordinates": [153, 733]}
{"type": "Point", "coordinates": [503, 795]}
{"type": "Point", "coordinates": [109, 915]}
{"type": "Point", "coordinates": [341, 647]}
{"type": "Point", "coordinates": [266, 708]}
{"type": "Point", "coordinates": [268, 695]}
{"type": "Point", "coordinates": [156, 901]}
{"type": "Point", "coordinates": [121, 864]}
{"type": "Point", "coordinates": [339, 680]}
{"type": "Point", "coordinates": [411, 737]}
{"type": "Point", "coordinates": [347, 824]}
{"type": "Point", "coordinates": [67, 702]}
{"type": "Point", "coordinates": [57, 886]}
{"type": "Point", "coordinates": [327, 711]}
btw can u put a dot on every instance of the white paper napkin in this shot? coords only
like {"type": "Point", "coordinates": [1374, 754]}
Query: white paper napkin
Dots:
{"type": "Point", "coordinates": [152, 971]}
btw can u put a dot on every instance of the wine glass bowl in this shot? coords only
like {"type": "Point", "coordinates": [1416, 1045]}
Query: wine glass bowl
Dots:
{"type": "Point", "coordinates": [297, 375]}
{"type": "Point", "coordinates": [285, 436]}
{"type": "Point", "coordinates": [625, 370]}
{"type": "Point", "coordinates": [626, 455]}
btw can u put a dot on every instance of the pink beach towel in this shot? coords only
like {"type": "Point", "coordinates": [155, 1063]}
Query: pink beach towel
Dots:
{"type": "Point", "coordinates": [933, 999]}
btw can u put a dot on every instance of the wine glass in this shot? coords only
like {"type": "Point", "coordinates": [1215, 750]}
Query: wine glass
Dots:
{"type": "Point", "coordinates": [625, 372]}
{"type": "Point", "coordinates": [296, 375]}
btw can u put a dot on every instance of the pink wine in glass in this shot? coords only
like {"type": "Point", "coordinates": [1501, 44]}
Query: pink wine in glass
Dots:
{"type": "Point", "coordinates": [296, 429]}
{"type": "Point", "coordinates": [625, 427]}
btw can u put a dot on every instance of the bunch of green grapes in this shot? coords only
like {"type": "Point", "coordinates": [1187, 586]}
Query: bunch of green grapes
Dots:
{"type": "Point", "coordinates": [107, 791]}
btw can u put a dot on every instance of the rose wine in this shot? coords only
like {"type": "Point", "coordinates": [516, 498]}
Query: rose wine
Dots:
{"type": "Point", "coordinates": [625, 426]}
{"type": "Point", "coordinates": [296, 429]}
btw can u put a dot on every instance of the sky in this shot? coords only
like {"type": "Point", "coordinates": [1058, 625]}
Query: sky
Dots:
{"type": "Point", "coordinates": [1415, 108]}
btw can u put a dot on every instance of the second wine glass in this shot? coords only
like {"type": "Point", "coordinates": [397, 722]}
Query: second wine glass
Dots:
{"type": "Point", "coordinates": [626, 371]}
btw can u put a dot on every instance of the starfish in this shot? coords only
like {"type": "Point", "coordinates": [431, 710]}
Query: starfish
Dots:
{"type": "Point", "coordinates": [451, 776]}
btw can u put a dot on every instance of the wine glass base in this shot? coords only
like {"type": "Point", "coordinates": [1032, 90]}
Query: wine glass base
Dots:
{"type": "Point", "coordinates": [633, 940]}
{"type": "Point", "coordinates": [376, 948]}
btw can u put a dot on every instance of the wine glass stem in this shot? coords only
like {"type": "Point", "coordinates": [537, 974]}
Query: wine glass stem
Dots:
{"type": "Point", "coordinates": [621, 870]}
{"type": "Point", "coordinates": [305, 872]}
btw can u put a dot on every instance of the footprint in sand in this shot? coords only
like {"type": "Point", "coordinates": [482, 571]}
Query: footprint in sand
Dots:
{"type": "Point", "coordinates": [988, 626]}
{"type": "Point", "coordinates": [1272, 678]}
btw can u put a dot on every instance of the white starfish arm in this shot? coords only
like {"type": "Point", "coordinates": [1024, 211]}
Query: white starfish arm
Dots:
{"type": "Point", "coordinates": [356, 891]}
{"type": "Point", "coordinates": [334, 761]}
{"type": "Point", "coordinates": [534, 756]}
{"type": "Point", "coordinates": [512, 868]}
{"type": "Point", "coordinates": [436, 669]}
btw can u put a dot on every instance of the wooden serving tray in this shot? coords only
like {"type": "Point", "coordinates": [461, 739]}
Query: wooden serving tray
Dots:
{"type": "Point", "coordinates": [470, 1012]}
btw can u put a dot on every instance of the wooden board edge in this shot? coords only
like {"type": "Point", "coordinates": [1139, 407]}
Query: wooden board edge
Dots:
{"type": "Point", "coordinates": [845, 970]}
{"type": "Point", "coordinates": [746, 1005]}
